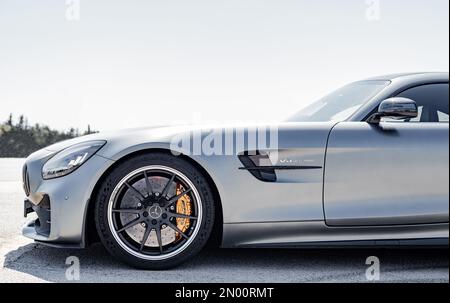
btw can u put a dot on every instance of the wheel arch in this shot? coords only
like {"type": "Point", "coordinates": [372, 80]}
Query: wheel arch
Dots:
{"type": "Point", "coordinates": [90, 234]}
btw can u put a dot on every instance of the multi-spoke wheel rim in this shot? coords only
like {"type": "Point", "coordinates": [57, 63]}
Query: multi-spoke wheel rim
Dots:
{"type": "Point", "coordinates": [153, 212]}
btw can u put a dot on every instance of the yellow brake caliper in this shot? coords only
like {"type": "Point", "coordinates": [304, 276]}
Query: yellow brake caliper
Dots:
{"type": "Point", "coordinates": [183, 207]}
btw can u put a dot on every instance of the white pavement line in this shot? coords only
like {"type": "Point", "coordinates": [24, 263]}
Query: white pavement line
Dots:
{"type": "Point", "coordinates": [11, 276]}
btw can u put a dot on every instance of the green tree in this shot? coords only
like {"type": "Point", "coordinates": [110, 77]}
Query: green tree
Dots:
{"type": "Point", "coordinates": [20, 139]}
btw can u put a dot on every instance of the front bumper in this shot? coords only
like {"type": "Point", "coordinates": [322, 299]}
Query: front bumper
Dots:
{"type": "Point", "coordinates": [61, 204]}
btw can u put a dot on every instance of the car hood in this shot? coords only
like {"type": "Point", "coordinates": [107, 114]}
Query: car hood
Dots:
{"type": "Point", "coordinates": [128, 140]}
{"type": "Point", "coordinates": [117, 134]}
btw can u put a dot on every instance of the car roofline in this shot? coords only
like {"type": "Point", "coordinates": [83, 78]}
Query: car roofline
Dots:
{"type": "Point", "coordinates": [392, 77]}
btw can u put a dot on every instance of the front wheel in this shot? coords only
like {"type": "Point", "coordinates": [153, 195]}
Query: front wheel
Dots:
{"type": "Point", "coordinates": [154, 211]}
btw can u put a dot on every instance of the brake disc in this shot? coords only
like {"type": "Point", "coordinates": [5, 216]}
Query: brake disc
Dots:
{"type": "Point", "coordinates": [168, 235]}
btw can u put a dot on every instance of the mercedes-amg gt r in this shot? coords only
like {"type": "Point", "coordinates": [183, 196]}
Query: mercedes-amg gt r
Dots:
{"type": "Point", "coordinates": [365, 165]}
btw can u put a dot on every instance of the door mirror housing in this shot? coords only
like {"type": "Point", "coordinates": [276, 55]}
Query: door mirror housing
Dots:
{"type": "Point", "coordinates": [396, 108]}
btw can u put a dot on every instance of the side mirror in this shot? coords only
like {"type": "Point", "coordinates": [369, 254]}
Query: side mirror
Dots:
{"type": "Point", "coordinates": [397, 108]}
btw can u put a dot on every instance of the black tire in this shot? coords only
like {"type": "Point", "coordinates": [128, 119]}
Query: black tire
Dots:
{"type": "Point", "coordinates": [123, 169]}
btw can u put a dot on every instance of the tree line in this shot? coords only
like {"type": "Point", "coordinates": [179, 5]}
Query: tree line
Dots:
{"type": "Point", "coordinates": [18, 139]}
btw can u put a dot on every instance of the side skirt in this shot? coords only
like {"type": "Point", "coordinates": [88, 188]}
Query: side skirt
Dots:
{"type": "Point", "coordinates": [316, 234]}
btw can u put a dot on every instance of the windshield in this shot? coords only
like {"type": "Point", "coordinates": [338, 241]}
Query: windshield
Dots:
{"type": "Point", "coordinates": [341, 104]}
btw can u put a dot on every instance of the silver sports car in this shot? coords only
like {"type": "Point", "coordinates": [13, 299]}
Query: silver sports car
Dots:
{"type": "Point", "coordinates": [365, 165]}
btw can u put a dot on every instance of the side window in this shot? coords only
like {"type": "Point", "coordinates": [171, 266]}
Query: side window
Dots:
{"type": "Point", "coordinates": [432, 101]}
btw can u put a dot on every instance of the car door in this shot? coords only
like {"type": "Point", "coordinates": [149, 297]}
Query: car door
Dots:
{"type": "Point", "coordinates": [393, 173]}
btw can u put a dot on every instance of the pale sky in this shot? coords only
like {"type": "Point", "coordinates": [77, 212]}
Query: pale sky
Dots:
{"type": "Point", "coordinates": [136, 63]}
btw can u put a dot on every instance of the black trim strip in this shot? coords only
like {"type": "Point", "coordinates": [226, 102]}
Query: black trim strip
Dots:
{"type": "Point", "coordinates": [280, 168]}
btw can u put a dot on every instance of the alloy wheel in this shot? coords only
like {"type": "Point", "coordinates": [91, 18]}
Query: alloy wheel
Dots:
{"type": "Point", "coordinates": [154, 212]}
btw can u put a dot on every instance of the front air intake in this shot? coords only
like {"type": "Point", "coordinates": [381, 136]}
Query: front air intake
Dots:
{"type": "Point", "coordinates": [26, 180]}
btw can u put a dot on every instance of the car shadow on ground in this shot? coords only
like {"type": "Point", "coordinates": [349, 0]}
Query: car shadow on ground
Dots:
{"type": "Point", "coordinates": [238, 265]}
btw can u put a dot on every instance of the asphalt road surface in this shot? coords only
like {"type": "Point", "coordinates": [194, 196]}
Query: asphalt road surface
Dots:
{"type": "Point", "coordinates": [24, 261]}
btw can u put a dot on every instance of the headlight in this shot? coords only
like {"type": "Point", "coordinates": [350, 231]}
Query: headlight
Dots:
{"type": "Point", "coordinates": [69, 159]}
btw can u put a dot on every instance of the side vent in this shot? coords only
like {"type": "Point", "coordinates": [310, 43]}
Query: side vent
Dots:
{"type": "Point", "coordinates": [260, 166]}
{"type": "Point", "coordinates": [256, 164]}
